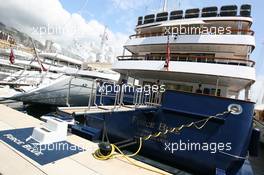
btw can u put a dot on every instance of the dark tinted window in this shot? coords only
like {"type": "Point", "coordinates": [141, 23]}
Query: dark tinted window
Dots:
{"type": "Point", "coordinates": [149, 19]}
{"type": "Point", "coordinates": [209, 12]}
{"type": "Point", "coordinates": [245, 10]}
{"type": "Point", "coordinates": [228, 10]}
{"type": "Point", "coordinates": [178, 14]}
{"type": "Point", "coordinates": [140, 20]}
{"type": "Point", "coordinates": [162, 16]}
{"type": "Point", "coordinates": [192, 13]}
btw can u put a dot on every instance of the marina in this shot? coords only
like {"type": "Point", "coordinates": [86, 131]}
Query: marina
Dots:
{"type": "Point", "coordinates": [182, 94]}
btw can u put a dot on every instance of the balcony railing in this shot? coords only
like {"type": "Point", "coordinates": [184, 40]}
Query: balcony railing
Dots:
{"type": "Point", "coordinates": [233, 32]}
{"type": "Point", "coordinates": [187, 58]}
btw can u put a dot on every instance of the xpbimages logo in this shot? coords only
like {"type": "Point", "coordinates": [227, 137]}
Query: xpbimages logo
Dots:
{"type": "Point", "coordinates": [126, 88]}
{"type": "Point", "coordinates": [197, 30]}
{"type": "Point", "coordinates": [212, 147]}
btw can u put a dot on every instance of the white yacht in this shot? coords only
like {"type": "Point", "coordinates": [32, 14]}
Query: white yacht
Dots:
{"type": "Point", "coordinates": [66, 81]}
{"type": "Point", "coordinates": [28, 69]}
{"type": "Point", "coordinates": [21, 54]}
{"type": "Point", "coordinates": [202, 57]}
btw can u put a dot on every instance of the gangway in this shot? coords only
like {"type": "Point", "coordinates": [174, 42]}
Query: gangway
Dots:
{"type": "Point", "coordinates": [122, 101]}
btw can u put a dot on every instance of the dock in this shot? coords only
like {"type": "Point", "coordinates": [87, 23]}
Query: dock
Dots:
{"type": "Point", "coordinates": [15, 162]}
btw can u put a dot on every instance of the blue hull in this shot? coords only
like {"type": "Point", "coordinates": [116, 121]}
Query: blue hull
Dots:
{"type": "Point", "coordinates": [229, 133]}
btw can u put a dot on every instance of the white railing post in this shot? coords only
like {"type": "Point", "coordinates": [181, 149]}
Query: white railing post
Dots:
{"type": "Point", "coordinates": [91, 94]}
{"type": "Point", "coordinates": [68, 93]}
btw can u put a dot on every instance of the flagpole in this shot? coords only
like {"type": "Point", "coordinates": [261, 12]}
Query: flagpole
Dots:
{"type": "Point", "coordinates": [167, 53]}
{"type": "Point", "coordinates": [35, 50]}
{"type": "Point", "coordinates": [165, 5]}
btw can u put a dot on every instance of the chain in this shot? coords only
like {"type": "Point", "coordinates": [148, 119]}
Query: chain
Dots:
{"type": "Point", "coordinates": [176, 130]}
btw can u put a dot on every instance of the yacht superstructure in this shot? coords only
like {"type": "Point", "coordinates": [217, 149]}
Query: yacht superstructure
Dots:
{"type": "Point", "coordinates": [202, 57]}
{"type": "Point", "coordinates": [202, 45]}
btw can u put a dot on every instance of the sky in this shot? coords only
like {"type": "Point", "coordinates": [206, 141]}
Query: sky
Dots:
{"type": "Point", "coordinates": [83, 21]}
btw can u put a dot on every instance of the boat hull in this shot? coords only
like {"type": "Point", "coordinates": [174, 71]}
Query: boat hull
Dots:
{"type": "Point", "coordinates": [180, 108]}
{"type": "Point", "coordinates": [56, 92]}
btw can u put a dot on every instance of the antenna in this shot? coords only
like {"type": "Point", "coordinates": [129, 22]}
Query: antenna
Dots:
{"type": "Point", "coordinates": [104, 38]}
{"type": "Point", "coordinates": [165, 5]}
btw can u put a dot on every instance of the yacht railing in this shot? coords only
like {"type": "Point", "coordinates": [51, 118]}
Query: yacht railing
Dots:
{"type": "Point", "coordinates": [120, 98]}
{"type": "Point", "coordinates": [186, 58]}
{"type": "Point", "coordinates": [233, 32]}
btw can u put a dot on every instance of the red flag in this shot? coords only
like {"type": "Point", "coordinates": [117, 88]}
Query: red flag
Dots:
{"type": "Point", "coordinates": [12, 56]}
{"type": "Point", "coordinates": [168, 54]}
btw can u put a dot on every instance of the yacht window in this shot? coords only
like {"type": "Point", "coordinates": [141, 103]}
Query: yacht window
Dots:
{"type": "Point", "coordinates": [206, 91]}
{"type": "Point", "coordinates": [71, 65]}
{"type": "Point", "coordinates": [47, 60]}
{"type": "Point", "coordinates": [182, 58]}
{"type": "Point", "coordinates": [179, 87]}
{"type": "Point", "coordinates": [218, 92]}
{"type": "Point", "coordinates": [63, 63]}
{"type": "Point", "coordinates": [147, 83]}
{"type": "Point", "coordinates": [210, 60]}
{"type": "Point", "coordinates": [245, 10]}
{"type": "Point", "coordinates": [140, 20]}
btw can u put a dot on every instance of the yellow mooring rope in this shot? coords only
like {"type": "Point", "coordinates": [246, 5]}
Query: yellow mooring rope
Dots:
{"type": "Point", "coordinates": [113, 154]}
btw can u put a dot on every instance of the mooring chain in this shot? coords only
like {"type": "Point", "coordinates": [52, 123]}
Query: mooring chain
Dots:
{"type": "Point", "coordinates": [176, 130]}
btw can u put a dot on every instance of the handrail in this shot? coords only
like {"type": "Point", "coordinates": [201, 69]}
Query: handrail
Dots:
{"type": "Point", "coordinates": [233, 31]}
{"type": "Point", "coordinates": [138, 97]}
{"type": "Point", "coordinates": [69, 92]}
{"type": "Point", "coordinates": [92, 93]}
{"type": "Point", "coordinates": [187, 58]}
